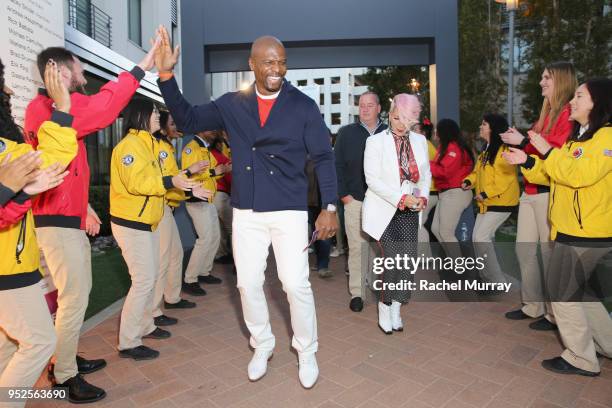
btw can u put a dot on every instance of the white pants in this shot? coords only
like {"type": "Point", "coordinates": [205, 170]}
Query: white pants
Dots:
{"type": "Point", "coordinates": [206, 223]}
{"type": "Point", "coordinates": [140, 250]}
{"type": "Point", "coordinates": [27, 337]}
{"type": "Point", "coordinates": [287, 231]}
{"type": "Point", "coordinates": [168, 284]}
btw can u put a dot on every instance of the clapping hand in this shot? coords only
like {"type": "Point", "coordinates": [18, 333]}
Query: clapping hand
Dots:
{"type": "Point", "coordinates": [202, 193]}
{"type": "Point", "coordinates": [197, 167]}
{"type": "Point", "coordinates": [46, 179]}
{"type": "Point", "coordinates": [514, 156]}
{"type": "Point", "coordinates": [512, 137]}
{"type": "Point", "coordinates": [16, 174]}
{"type": "Point", "coordinates": [537, 141]}
{"type": "Point", "coordinates": [183, 183]}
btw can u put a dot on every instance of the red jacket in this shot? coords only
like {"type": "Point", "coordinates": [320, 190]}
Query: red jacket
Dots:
{"type": "Point", "coordinates": [12, 212]}
{"type": "Point", "coordinates": [454, 167]}
{"type": "Point", "coordinates": [224, 183]}
{"type": "Point", "coordinates": [66, 205]}
{"type": "Point", "coordinates": [557, 136]}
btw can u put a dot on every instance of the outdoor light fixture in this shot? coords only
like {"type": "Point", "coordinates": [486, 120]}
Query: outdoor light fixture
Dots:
{"type": "Point", "coordinates": [510, 4]}
{"type": "Point", "coordinates": [414, 85]}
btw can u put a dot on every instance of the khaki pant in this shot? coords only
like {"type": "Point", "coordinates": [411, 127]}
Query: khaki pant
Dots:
{"type": "Point", "coordinates": [585, 327]}
{"type": "Point", "coordinates": [168, 286]}
{"type": "Point", "coordinates": [340, 244]}
{"type": "Point", "coordinates": [451, 204]}
{"type": "Point", "coordinates": [533, 227]}
{"type": "Point", "coordinates": [68, 256]}
{"type": "Point", "coordinates": [287, 231]}
{"type": "Point", "coordinates": [431, 203]}
{"type": "Point", "coordinates": [27, 338]}
{"type": "Point", "coordinates": [357, 240]}
{"type": "Point", "coordinates": [483, 238]}
{"type": "Point", "coordinates": [206, 223]}
{"type": "Point", "coordinates": [140, 250]}
{"type": "Point", "coordinates": [224, 210]}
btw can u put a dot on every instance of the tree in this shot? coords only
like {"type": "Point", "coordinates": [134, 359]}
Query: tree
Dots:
{"type": "Point", "coordinates": [579, 31]}
{"type": "Point", "coordinates": [482, 81]}
{"type": "Point", "coordinates": [388, 81]}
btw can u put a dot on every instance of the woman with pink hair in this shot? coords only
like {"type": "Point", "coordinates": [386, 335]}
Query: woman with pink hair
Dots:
{"type": "Point", "coordinates": [396, 166]}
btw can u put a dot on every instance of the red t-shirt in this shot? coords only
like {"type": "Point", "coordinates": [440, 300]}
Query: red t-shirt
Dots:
{"type": "Point", "coordinates": [265, 106]}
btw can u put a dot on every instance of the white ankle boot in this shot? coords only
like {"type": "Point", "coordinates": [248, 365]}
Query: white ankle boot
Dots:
{"type": "Point", "coordinates": [384, 318]}
{"type": "Point", "coordinates": [259, 364]}
{"type": "Point", "coordinates": [396, 317]}
{"type": "Point", "coordinates": [308, 370]}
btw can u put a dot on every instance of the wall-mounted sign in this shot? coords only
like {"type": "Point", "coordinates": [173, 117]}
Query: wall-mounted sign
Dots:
{"type": "Point", "coordinates": [27, 27]}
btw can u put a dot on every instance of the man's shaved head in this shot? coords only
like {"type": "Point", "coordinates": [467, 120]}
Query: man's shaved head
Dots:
{"type": "Point", "coordinates": [263, 43]}
{"type": "Point", "coordinates": [269, 64]}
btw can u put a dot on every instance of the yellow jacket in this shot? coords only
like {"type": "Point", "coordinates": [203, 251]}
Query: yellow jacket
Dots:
{"type": "Point", "coordinates": [431, 151]}
{"type": "Point", "coordinates": [167, 160]}
{"type": "Point", "coordinates": [196, 151]}
{"type": "Point", "coordinates": [580, 174]}
{"type": "Point", "coordinates": [497, 183]}
{"type": "Point", "coordinates": [138, 186]}
{"type": "Point", "coordinates": [19, 253]}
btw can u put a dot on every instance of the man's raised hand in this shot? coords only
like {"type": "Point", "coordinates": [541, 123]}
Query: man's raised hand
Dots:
{"type": "Point", "coordinates": [165, 57]}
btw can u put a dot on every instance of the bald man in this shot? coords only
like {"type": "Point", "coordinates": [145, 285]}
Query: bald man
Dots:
{"type": "Point", "coordinates": [272, 128]}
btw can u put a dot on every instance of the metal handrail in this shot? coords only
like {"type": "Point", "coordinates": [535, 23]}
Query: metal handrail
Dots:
{"type": "Point", "coordinates": [90, 20]}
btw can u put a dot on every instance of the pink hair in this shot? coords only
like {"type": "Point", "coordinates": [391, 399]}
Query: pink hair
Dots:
{"type": "Point", "coordinates": [405, 104]}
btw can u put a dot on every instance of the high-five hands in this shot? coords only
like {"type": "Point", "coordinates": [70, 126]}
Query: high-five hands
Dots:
{"type": "Point", "coordinates": [165, 57]}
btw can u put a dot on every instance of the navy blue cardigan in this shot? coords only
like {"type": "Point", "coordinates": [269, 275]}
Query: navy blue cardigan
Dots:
{"type": "Point", "coordinates": [267, 162]}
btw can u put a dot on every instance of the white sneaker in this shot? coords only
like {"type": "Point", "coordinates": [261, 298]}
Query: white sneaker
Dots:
{"type": "Point", "coordinates": [396, 317]}
{"type": "Point", "coordinates": [336, 252]}
{"type": "Point", "coordinates": [384, 318]}
{"type": "Point", "coordinates": [259, 364]}
{"type": "Point", "coordinates": [308, 370]}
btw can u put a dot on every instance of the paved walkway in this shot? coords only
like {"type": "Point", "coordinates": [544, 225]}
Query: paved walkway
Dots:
{"type": "Point", "coordinates": [450, 355]}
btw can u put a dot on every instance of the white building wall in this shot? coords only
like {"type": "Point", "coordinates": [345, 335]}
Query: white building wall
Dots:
{"type": "Point", "coordinates": [335, 115]}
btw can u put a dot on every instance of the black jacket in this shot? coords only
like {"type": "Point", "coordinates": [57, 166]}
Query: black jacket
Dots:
{"type": "Point", "coordinates": [349, 149]}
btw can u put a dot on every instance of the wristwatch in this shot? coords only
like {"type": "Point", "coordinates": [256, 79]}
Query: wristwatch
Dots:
{"type": "Point", "coordinates": [331, 208]}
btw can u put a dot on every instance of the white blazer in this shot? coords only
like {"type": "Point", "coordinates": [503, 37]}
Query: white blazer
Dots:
{"type": "Point", "coordinates": [383, 179]}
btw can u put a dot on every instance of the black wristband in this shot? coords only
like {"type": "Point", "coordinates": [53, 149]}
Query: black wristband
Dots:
{"type": "Point", "coordinates": [21, 197]}
{"type": "Point", "coordinates": [62, 118]}
{"type": "Point", "coordinates": [188, 173]}
{"type": "Point", "coordinates": [212, 173]}
{"type": "Point", "coordinates": [529, 163]}
{"type": "Point", "coordinates": [5, 194]}
{"type": "Point", "coordinates": [524, 143]}
{"type": "Point", "coordinates": [467, 182]}
{"type": "Point", "coordinates": [545, 156]}
{"type": "Point", "coordinates": [167, 180]}
{"type": "Point", "coordinates": [137, 73]}
{"type": "Point", "coordinates": [484, 195]}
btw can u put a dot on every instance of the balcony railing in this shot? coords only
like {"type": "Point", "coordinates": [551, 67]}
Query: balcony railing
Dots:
{"type": "Point", "coordinates": [90, 20]}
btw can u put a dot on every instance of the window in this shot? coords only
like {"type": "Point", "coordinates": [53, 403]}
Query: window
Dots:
{"type": "Point", "coordinates": [318, 81]}
{"type": "Point", "coordinates": [135, 21]}
{"type": "Point", "coordinates": [335, 80]}
{"type": "Point", "coordinates": [322, 99]}
{"type": "Point", "coordinates": [356, 100]}
{"type": "Point", "coordinates": [359, 80]}
{"type": "Point", "coordinates": [302, 82]}
{"type": "Point", "coordinates": [335, 118]}
{"type": "Point", "coordinates": [335, 98]}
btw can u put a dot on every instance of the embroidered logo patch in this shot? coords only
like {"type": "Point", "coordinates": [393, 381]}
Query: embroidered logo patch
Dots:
{"type": "Point", "coordinates": [2, 146]}
{"type": "Point", "coordinates": [188, 150]}
{"type": "Point", "coordinates": [607, 152]}
{"type": "Point", "coordinates": [577, 153]}
{"type": "Point", "coordinates": [163, 155]}
{"type": "Point", "coordinates": [452, 154]}
{"type": "Point", "coordinates": [127, 159]}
